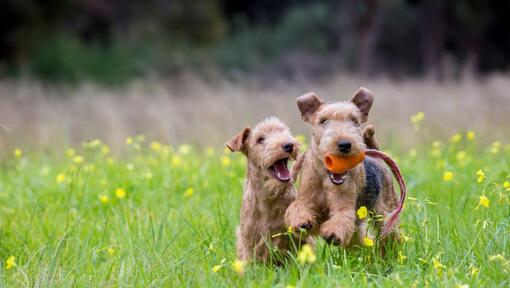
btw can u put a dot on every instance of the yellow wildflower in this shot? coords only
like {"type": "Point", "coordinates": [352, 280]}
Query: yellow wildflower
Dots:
{"type": "Point", "coordinates": [78, 159]}
{"type": "Point", "coordinates": [412, 153]}
{"type": "Point", "coordinates": [417, 119]}
{"type": "Point", "coordinates": [105, 150]}
{"type": "Point", "coordinates": [495, 147]}
{"type": "Point", "coordinates": [104, 199]}
{"type": "Point", "coordinates": [184, 149]}
{"type": "Point", "coordinates": [470, 135]}
{"type": "Point", "coordinates": [10, 263]}
{"type": "Point", "coordinates": [176, 161]}
{"type": "Point", "coordinates": [70, 152]}
{"type": "Point", "coordinates": [456, 138]}
{"type": "Point", "coordinates": [437, 265]}
{"type": "Point", "coordinates": [110, 250]}
{"type": "Point", "coordinates": [461, 156]}
{"type": "Point", "coordinates": [225, 161]}
{"type": "Point", "coordinates": [362, 212]}
{"type": "Point", "coordinates": [506, 185]}
{"type": "Point", "coordinates": [480, 176]}
{"type": "Point", "coordinates": [216, 268]}
{"type": "Point", "coordinates": [473, 270]}
{"type": "Point", "coordinates": [306, 254]}
{"type": "Point", "coordinates": [448, 176]}
{"type": "Point", "coordinates": [129, 140]}
{"type": "Point", "coordinates": [368, 242]}
{"type": "Point", "coordinates": [401, 257]}
{"type": "Point", "coordinates": [188, 192]}
{"type": "Point", "coordinates": [238, 266]}
{"type": "Point", "coordinates": [483, 201]}
{"type": "Point", "coordinates": [120, 193]}
{"type": "Point", "coordinates": [290, 230]}
{"type": "Point", "coordinates": [156, 146]}
{"type": "Point", "coordinates": [60, 178]}
{"type": "Point", "coordinates": [18, 152]}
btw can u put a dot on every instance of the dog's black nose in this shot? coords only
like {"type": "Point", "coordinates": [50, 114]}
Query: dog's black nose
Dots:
{"type": "Point", "coordinates": [288, 147]}
{"type": "Point", "coordinates": [344, 146]}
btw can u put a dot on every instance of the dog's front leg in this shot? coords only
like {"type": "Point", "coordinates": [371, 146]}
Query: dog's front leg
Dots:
{"type": "Point", "coordinates": [342, 222]}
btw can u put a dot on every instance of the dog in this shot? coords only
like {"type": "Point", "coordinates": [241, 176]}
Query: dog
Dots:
{"type": "Point", "coordinates": [268, 191]}
{"type": "Point", "coordinates": [326, 203]}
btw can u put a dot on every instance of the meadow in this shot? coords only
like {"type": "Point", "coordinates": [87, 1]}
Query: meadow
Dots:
{"type": "Point", "coordinates": [156, 215]}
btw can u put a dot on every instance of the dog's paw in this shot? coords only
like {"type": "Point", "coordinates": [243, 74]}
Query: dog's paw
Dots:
{"type": "Point", "coordinates": [336, 234]}
{"type": "Point", "coordinates": [298, 218]}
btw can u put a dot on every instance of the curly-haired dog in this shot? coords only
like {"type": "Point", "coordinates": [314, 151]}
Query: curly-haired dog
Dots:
{"type": "Point", "coordinates": [268, 191]}
{"type": "Point", "coordinates": [326, 203]}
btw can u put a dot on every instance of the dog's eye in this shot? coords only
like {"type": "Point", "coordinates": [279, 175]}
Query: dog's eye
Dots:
{"type": "Point", "coordinates": [323, 121]}
{"type": "Point", "coordinates": [260, 140]}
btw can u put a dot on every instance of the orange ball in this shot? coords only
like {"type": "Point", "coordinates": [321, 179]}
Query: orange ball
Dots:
{"type": "Point", "coordinates": [338, 165]}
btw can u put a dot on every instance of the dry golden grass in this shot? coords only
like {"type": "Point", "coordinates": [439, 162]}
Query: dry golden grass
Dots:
{"type": "Point", "coordinates": [190, 110]}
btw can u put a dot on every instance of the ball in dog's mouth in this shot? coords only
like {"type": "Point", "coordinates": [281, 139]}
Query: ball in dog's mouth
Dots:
{"type": "Point", "coordinates": [337, 178]}
{"type": "Point", "coordinates": [280, 171]}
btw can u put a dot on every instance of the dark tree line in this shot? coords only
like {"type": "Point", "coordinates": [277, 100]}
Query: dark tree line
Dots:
{"type": "Point", "coordinates": [409, 37]}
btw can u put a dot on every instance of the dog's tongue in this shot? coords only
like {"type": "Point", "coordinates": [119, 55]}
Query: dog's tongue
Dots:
{"type": "Point", "coordinates": [281, 171]}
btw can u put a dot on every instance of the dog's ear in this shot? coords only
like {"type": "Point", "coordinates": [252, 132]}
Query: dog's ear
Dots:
{"type": "Point", "coordinates": [363, 99]}
{"type": "Point", "coordinates": [308, 104]}
{"type": "Point", "coordinates": [237, 143]}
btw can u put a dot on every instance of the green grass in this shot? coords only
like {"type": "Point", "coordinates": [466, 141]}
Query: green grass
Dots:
{"type": "Point", "coordinates": [162, 234]}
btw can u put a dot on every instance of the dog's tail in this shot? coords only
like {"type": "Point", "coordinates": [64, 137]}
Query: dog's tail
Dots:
{"type": "Point", "coordinates": [394, 215]}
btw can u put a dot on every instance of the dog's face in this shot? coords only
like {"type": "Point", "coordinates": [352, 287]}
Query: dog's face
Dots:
{"type": "Point", "coordinates": [337, 126]}
{"type": "Point", "coordinates": [268, 146]}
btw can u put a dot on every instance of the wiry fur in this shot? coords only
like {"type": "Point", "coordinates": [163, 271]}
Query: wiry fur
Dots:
{"type": "Point", "coordinates": [321, 206]}
{"type": "Point", "coordinates": [265, 198]}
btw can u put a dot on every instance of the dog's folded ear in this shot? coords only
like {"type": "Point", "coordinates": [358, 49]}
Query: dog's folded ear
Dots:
{"type": "Point", "coordinates": [308, 105]}
{"type": "Point", "coordinates": [237, 143]}
{"type": "Point", "coordinates": [363, 99]}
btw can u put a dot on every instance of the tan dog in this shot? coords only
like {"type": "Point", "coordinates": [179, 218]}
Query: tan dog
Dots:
{"type": "Point", "coordinates": [268, 147]}
{"type": "Point", "coordinates": [326, 203]}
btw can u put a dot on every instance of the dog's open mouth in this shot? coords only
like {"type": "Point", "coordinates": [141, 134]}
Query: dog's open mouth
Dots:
{"type": "Point", "coordinates": [337, 179]}
{"type": "Point", "coordinates": [279, 170]}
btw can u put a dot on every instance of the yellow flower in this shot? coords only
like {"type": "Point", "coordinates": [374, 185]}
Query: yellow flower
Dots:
{"type": "Point", "coordinates": [188, 192]}
{"type": "Point", "coordinates": [18, 152]}
{"type": "Point", "coordinates": [456, 138]}
{"type": "Point", "coordinates": [401, 257]}
{"type": "Point", "coordinates": [483, 201]}
{"type": "Point", "coordinates": [10, 263]}
{"type": "Point", "coordinates": [290, 230]}
{"type": "Point", "coordinates": [78, 159]}
{"type": "Point", "coordinates": [470, 135]}
{"type": "Point", "coordinates": [156, 146]}
{"type": "Point", "coordinates": [461, 156]}
{"type": "Point", "coordinates": [110, 250]}
{"type": "Point", "coordinates": [448, 176]}
{"type": "Point", "coordinates": [105, 150]}
{"type": "Point", "coordinates": [306, 254]}
{"type": "Point", "coordinates": [495, 147]}
{"type": "Point", "coordinates": [301, 138]}
{"type": "Point", "coordinates": [238, 266]}
{"type": "Point", "coordinates": [184, 149]}
{"type": "Point", "coordinates": [70, 152]}
{"type": "Point", "coordinates": [506, 184]}
{"type": "Point", "coordinates": [437, 265]}
{"type": "Point", "coordinates": [480, 176]}
{"type": "Point", "coordinates": [176, 161]}
{"type": "Point", "coordinates": [368, 242]}
{"type": "Point", "coordinates": [120, 193]}
{"type": "Point", "coordinates": [216, 268]}
{"type": "Point", "coordinates": [104, 199]}
{"type": "Point", "coordinates": [473, 270]}
{"type": "Point", "coordinates": [129, 140]}
{"type": "Point", "coordinates": [362, 212]}
{"type": "Point", "coordinates": [412, 153]}
{"type": "Point", "coordinates": [225, 161]}
{"type": "Point", "coordinates": [417, 119]}
{"type": "Point", "coordinates": [60, 178]}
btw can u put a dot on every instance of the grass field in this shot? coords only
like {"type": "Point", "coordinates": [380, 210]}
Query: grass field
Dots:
{"type": "Point", "coordinates": [161, 216]}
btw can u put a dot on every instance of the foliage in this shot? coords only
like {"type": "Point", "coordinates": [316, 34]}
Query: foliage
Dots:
{"type": "Point", "coordinates": [159, 215]}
